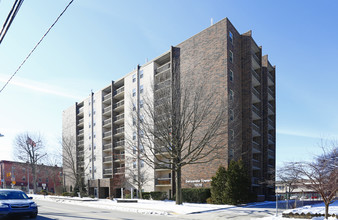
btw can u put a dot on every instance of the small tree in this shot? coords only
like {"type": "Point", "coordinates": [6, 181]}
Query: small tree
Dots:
{"type": "Point", "coordinates": [231, 186]}
{"type": "Point", "coordinates": [29, 148]}
{"type": "Point", "coordinates": [218, 185]}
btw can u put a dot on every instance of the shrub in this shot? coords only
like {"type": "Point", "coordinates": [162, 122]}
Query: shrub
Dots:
{"type": "Point", "coordinates": [158, 195]}
{"type": "Point", "coordinates": [209, 200]}
{"type": "Point", "coordinates": [195, 195]}
{"type": "Point", "coordinates": [146, 195]}
{"type": "Point", "coordinates": [65, 194]}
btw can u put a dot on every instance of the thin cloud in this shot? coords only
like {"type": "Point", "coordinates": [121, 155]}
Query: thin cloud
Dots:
{"type": "Point", "coordinates": [304, 134]}
{"type": "Point", "coordinates": [40, 87]}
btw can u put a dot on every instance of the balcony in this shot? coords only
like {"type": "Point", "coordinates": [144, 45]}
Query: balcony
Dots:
{"type": "Point", "coordinates": [106, 123]}
{"type": "Point", "coordinates": [255, 113]}
{"type": "Point", "coordinates": [80, 132]}
{"type": "Point", "coordinates": [271, 109]}
{"type": "Point", "coordinates": [255, 130]}
{"type": "Point", "coordinates": [80, 111]}
{"type": "Point", "coordinates": [108, 171]}
{"type": "Point", "coordinates": [255, 95]}
{"type": "Point", "coordinates": [271, 139]}
{"type": "Point", "coordinates": [80, 143]}
{"type": "Point", "coordinates": [119, 170]}
{"type": "Point", "coordinates": [255, 61]}
{"type": "Point", "coordinates": [119, 145]}
{"type": "Point", "coordinates": [255, 147]}
{"type": "Point", "coordinates": [108, 159]}
{"type": "Point", "coordinates": [80, 163]}
{"type": "Point", "coordinates": [119, 92]}
{"type": "Point", "coordinates": [80, 122]}
{"type": "Point", "coordinates": [119, 106]}
{"type": "Point", "coordinates": [271, 124]}
{"type": "Point", "coordinates": [162, 166]}
{"type": "Point", "coordinates": [255, 78]}
{"type": "Point", "coordinates": [118, 157]}
{"type": "Point", "coordinates": [107, 98]}
{"type": "Point", "coordinates": [256, 165]}
{"type": "Point", "coordinates": [163, 84]}
{"type": "Point", "coordinates": [107, 135]}
{"type": "Point", "coordinates": [255, 181]}
{"type": "Point", "coordinates": [107, 110]}
{"type": "Point", "coordinates": [271, 154]}
{"type": "Point", "coordinates": [271, 94]}
{"type": "Point", "coordinates": [270, 79]}
{"type": "Point", "coordinates": [119, 119]}
{"type": "Point", "coordinates": [163, 68]}
{"type": "Point", "coordinates": [107, 147]}
{"type": "Point", "coordinates": [163, 181]}
{"type": "Point", "coordinates": [80, 154]}
{"type": "Point", "coordinates": [119, 131]}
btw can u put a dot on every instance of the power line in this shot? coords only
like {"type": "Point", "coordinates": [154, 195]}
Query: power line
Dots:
{"type": "Point", "coordinates": [36, 46]}
{"type": "Point", "coordinates": [10, 17]}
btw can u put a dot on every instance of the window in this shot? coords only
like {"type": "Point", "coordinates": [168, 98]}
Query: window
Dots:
{"type": "Point", "coordinates": [141, 89]}
{"type": "Point", "coordinates": [40, 180]}
{"type": "Point", "coordinates": [231, 95]}
{"type": "Point", "coordinates": [89, 114]}
{"type": "Point", "coordinates": [141, 103]}
{"type": "Point", "coordinates": [94, 158]}
{"type": "Point", "coordinates": [141, 133]}
{"type": "Point", "coordinates": [134, 92]}
{"type": "Point", "coordinates": [134, 135]}
{"type": "Point", "coordinates": [94, 112]}
{"type": "Point", "coordinates": [141, 74]}
{"type": "Point", "coordinates": [94, 134]}
{"type": "Point", "coordinates": [94, 146]}
{"type": "Point", "coordinates": [90, 125]}
{"type": "Point", "coordinates": [142, 163]}
{"type": "Point", "coordinates": [134, 164]}
{"type": "Point", "coordinates": [134, 121]}
{"type": "Point", "coordinates": [141, 148]}
{"type": "Point", "coordinates": [90, 147]}
{"type": "Point", "coordinates": [94, 169]}
{"type": "Point", "coordinates": [134, 149]}
{"type": "Point", "coordinates": [231, 75]}
{"type": "Point", "coordinates": [231, 115]}
{"type": "Point", "coordinates": [134, 77]}
{"type": "Point", "coordinates": [134, 107]}
{"type": "Point", "coordinates": [47, 180]}
{"type": "Point", "coordinates": [90, 137]}
{"type": "Point", "coordinates": [141, 118]}
{"type": "Point", "coordinates": [231, 37]}
{"type": "Point", "coordinates": [231, 56]}
{"type": "Point", "coordinates": [23, 178]}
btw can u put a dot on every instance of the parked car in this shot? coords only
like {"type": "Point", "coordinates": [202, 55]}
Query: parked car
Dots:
{"type": "Point", "coordinates": [15, 202]}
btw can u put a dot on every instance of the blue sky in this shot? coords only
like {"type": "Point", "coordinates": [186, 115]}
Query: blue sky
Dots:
{"type": "Point", "coordinates": [95, 43]}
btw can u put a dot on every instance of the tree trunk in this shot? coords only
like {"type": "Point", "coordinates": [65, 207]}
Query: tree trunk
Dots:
{"type": "Point", "coordinates": [327, 210]}
{"type": "Point", "coordinates": [178, 186]}
{"type": "Point", "coordinates": [34, 178]}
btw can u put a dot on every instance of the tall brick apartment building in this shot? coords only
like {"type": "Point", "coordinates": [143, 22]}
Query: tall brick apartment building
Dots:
{"type": "Point", "coordinates": [101, 124]}
{"type": "Point", "coordinates": [19, 175]}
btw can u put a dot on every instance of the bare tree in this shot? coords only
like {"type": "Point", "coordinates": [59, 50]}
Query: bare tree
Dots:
{"type": "Point", "coordinates": [29, 148]}
{"type": "Point", "coordinates": [74, 165]}
{"type": "Point", "coordinates": [181, 125]}
{"type": "Point", "coordinates": [321, 175]}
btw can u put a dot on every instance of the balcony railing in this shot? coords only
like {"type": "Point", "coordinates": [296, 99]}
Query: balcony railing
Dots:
{"type": "Point", "coordinates": [119, 170]}
{"type": "Point", "coordinates": [107, 147]}
{"type": "Point", "coordinates": [255, 74]}
{"type": "Point", "coordinates": [119, 130]}
{"type": "Point", "coordinates": [108, 171]}
{"type": "Point", "coordinates": [119, 157]}
{"type": "Point", "coordinates": [107, 134]}
{"type": "Point", "coordinates": [106, 122]}
{"type": "Point", "coordinates": [256, 163]}
{"type": "Point", "coordinates": [255, 180]}
{"type": "Point", "coordinates": [255, 127]}
{"type": "Point", "coordinates": [106, 109]}
{"type": "Point", "coordinates": [271, 154]}
{"type": "Point", "coordinates": [270, 76]}
{"type": "Point", "coordinates": [80, 142]}
{"type": "Point", "coordinates": [119, 117]}
{"type": "Point", "coordinates": [256, 57]}
{"type": "Point", "coordinates": [107, 97]}
{"type": "Point", "coordinates": [256, 110]}
{"type": "Point", "coordinates": [163, 181]}
{"type": "Point", "coordinates": [270, 107]}
{"type": "Point", "coordinates": [163, 84]}
{"type": "Point", "coordinates": [271, 122]}
{"type": "Point", "coordinates": [163, 68]}
{"type": "Point", "coordinates": [271, 138]}
{"type": "Point", "coordinates": [256, 146]}
{"type": "Point", "coordinates": [271, 92]}
{"type": "Point", "coordinates": [118, 104]}
{"type": "Point", "coordinates": [81, 132]}
{"type": "Point", "coordinates": [118, 91]}
{"type": "Point", "coordinates": [162, 166]}
{"type": "Point", "coordinates": [108, 159]}
{"type": "Point", "coordinates": [255, 92]}
{"type": "Point", "coordinates": [119, 143]}
{"type": "Point", "coordinates": [80, 110]}
{"type": "Point", "coordinates": [81, 121]}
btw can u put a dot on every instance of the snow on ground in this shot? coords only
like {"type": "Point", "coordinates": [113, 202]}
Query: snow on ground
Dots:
{"type": "Point", "coordinates": [142, 206]}
{"type": "Point", "coordinates": [315, 209]}
{"type": "Point", "coordinates": [169, 207]}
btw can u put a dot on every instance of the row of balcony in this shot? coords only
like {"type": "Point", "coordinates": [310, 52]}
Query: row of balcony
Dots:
{"type": "Point", "coordinates": [163, 181]}
{"type": "Point", "coordinates": [163, 68]}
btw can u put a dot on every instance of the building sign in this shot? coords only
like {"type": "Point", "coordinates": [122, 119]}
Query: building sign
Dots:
{"type": "Point", "coordinates": [198, 183]}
